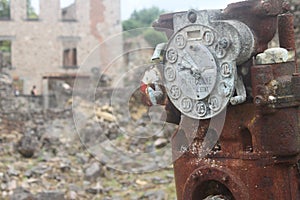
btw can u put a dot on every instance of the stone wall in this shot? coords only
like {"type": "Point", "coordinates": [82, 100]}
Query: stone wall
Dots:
{"type": "Point", "coordinates": [296, 11]}
{"type": "Point", "coordinates": [37, 45]}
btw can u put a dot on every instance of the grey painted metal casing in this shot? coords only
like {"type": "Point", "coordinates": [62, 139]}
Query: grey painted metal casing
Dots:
{"type": "Point", "coordinates": [201, 61]}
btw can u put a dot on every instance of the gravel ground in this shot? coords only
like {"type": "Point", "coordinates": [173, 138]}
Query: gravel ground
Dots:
{"type": "Point", "coordinates": [109, 155]}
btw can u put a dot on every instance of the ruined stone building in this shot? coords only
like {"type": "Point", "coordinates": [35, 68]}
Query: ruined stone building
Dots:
{"type": "Point", "coordinates": [54, 40]}
{"type": "Point", "coordinates": [296, 11]}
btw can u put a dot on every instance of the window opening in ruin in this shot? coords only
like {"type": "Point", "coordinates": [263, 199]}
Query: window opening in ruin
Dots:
{"type": "Point", "coordinates": [70, 57]}
{"type": "Point", "coordinates": [4, 9]}
{"type": "Point", "coordinates": [68, 10]}
{"type": "Point", "coordinates": [5, 54]}
{"type": "Point", "coordinates": [69, 51]}
{"type": "Point", "coordinates": [33, 9]}
{"type": "Point", "coordinates": [18, 86]}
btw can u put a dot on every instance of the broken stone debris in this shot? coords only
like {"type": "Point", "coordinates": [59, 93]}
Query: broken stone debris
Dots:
{"type": "Point", "coordinates": [42, 157]}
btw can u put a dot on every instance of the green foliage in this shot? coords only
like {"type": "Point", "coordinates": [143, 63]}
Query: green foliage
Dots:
{"type": "Point", "coordinates": [146, 16]}
{"type": "Point", "coordinates": [154, 37]}
{"type": "Point", "coordinates": [5, 46]}
{"type": "Point", "coordinates": [131, 24]}
{"type": "Point", "coordinates": [132, 28]}
{"type": "Point", "coordinates": [5, 51]}
{"type": "Point", "coordinates": [4, 9]}
{"type": "Point", "coordinates": [144, 19]}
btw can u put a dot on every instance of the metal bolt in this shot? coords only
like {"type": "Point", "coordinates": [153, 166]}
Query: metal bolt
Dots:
{"type": "Point", "coordinates": [258, 100]}
{"type": "Point", "coordinates": [192, 16]}
{"type": "Point", "coordinates": [223, 43]}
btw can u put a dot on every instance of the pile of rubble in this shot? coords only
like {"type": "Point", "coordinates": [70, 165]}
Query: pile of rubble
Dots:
{"type": "Point", "coordinates": [43, 155]}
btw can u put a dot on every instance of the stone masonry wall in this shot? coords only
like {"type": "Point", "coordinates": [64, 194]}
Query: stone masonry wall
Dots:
{"type": "Point", "coordinates": [37, 45]}
{"type": "Point", "coordinates": [296, 11]}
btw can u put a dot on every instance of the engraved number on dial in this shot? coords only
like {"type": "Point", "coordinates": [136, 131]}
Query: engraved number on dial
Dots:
{"type": "Point", "coordinates": [226, 69]}
{"type": "Point", "coordinates": [201, 109]}
{"type": "Point", "coordinates": [187, 104]}
{"type": "Point", "coordinates": [214, 103]}
{"type": "Point", "coordinates": [170, 73]}
{"type": "Point", "coordinates": [172, 55]}
{"type": "Point", "coordinates": [208, 37]}
{"type": "Point", "coordinates": [175, 92]}
{"type": "Point", "coordinates": [180, 41]}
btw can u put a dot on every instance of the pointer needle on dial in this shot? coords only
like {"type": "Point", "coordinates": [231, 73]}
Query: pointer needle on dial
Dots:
{"type": "Point", "coordinates": [192, 65]}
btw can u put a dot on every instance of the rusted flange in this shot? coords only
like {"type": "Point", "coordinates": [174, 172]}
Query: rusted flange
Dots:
{"type": "Point", "coordinates": [226, 182]}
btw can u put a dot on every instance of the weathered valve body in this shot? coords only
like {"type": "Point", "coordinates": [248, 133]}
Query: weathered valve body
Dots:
{"type": "Point", "coordinates": [256, 156]}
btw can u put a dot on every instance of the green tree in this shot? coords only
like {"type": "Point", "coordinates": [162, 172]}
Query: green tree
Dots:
{"type": "Point", "coordinates": [144, 18]}
{"type": "Point", "coordinates": [5, 46]}
{"type": "Point", "coordinates": [154, 37]}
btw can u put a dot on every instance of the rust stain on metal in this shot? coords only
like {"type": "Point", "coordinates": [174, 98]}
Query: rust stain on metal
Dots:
{"type": "Point", "coordinates": [286, 31]}
{"type": "Point", "coordinates": [257, 156]}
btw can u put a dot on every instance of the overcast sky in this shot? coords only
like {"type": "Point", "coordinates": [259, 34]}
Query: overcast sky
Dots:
{"type": "Point", "coordinates": [63, 3]}
{"type": "Point", "coordinates": [128, 6]}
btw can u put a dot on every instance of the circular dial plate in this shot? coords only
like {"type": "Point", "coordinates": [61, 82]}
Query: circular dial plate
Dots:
{"type": "Point", "coordinates": [197, 71]}
{"type": "Point", "coordinates": [198, 81]}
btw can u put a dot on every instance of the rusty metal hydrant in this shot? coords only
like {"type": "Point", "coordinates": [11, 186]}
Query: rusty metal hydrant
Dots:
{"type": "Point", "coordinates": [244, 98]}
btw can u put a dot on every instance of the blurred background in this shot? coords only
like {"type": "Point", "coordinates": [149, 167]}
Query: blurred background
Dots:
{"type": "Point", "coordinates": [69, 78]}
